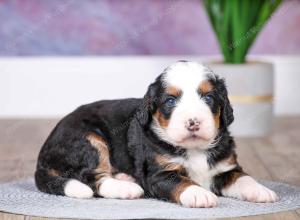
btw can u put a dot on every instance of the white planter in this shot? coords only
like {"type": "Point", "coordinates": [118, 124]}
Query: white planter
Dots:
{"type": "Point", "coordinates": [250, 88]}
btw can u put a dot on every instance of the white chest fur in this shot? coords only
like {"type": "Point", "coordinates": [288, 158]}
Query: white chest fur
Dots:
{"type": "Point", "coordinates": [199, 170]}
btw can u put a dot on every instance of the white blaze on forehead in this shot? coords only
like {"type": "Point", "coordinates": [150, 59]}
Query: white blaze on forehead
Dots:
{"type": "Point", "coordinates": [186, 75]}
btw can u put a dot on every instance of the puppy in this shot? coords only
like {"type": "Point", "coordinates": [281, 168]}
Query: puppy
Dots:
{"type": "Point", "coordinates": [172, 145]}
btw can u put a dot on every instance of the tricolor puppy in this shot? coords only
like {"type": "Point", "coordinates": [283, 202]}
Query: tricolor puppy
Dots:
{"type": "Point", "coordinates": [173, 145]}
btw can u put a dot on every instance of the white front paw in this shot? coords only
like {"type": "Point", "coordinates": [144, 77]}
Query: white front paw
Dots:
{"type": "Point", "coordinates": [197, 197]}
{"type": "Point", "coordinates": [258, 193]}
{"type": "Point", "coordinates": [246, 188]}
{"type": "Point", "coordinates": [120, 189]}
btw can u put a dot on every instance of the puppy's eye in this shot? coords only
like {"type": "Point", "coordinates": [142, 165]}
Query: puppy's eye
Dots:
{"type": "Point", "coordinates": [170, 102]}
{"type": "Point", "coordinates": [208, 99]}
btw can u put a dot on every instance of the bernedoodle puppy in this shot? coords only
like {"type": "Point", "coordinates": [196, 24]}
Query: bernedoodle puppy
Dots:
{"type": "Point", "coordinates": [172, 145]}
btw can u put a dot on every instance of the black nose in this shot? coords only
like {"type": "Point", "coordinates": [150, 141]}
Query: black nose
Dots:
{"type": "Point", "coordinates": [193, 125]}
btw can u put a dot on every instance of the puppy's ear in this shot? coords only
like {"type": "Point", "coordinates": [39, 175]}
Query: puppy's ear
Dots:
{"type": "Point", "coordinates": [227, 112]}
{"type": "Point", "coordinates": [148, 105]}
{"type": "Point", "coordinates": [226, 109]}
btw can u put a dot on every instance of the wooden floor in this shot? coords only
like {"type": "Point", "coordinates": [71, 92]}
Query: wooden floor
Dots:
{"type": "Point", "coordinates": [273, 158]}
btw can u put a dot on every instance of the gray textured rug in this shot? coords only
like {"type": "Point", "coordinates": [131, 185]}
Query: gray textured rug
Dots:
{"type": "Point", "coordinates": [23, 198]}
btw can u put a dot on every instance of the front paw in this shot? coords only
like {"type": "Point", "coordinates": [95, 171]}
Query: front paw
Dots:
{"type": "Point", "coordinates": [246, 188]}
{"type": "Point", "coordinates": [120, 189]}
{"type": "Point", "coordinates": [197, 197]}
{"type": "Point", "coordinates": [259, 193]}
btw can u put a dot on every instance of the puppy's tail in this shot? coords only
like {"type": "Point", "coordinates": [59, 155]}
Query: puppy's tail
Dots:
{"type": "Point", "coordinates": [57, 185]}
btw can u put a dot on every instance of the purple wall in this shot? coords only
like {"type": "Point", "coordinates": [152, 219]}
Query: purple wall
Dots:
{"type": "Point", "coordinates": [141, 27]}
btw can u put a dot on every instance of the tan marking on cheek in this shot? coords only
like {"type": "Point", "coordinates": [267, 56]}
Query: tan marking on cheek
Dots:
{"type": "Point", "coordinates": [174, 91]}
{"type": "Point", "coordinates": [163, 122]}
{"type": "Point", "coordinates": [205, 87]}
{"type": "Point", "coordinates": [53, 172]}
{"type": "Point", "coordinates": [180, 187]}
{"type": "Point", "coordinates": [104, 168]}
{"type": "Point", "coordinates": [168, 165]}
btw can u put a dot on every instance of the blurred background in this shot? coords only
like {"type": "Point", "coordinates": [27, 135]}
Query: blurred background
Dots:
{"type": "Point", "coordinates": [131, 27]}
{"type": "Point", "coordinates": [56, 55]}
{"type": "Point", "coordinates": [59, 54]}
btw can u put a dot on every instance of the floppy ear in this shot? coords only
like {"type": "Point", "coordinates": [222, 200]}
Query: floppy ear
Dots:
{"type": "Point", "coordinates": [148, 105]}
{"type": "Point", "coordinates": [226, 109]}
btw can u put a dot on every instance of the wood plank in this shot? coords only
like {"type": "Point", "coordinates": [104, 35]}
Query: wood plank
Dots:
{"type": "Point", "coordinates": [289, 215]}
{"type": "Point", "coordinates": [8, 216]}
{"type": "Point", "coordinates": [247, 157]}
{"type": "Point", "coordinates": [25, 136]}
{"type": "Point", "coordinates": [280, 166]}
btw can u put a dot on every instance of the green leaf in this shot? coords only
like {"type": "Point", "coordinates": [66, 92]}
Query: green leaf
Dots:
{"type": "Point", "coordinates": [237, 23]}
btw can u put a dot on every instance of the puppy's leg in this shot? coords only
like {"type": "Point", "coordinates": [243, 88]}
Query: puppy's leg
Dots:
{"type": "Point", "coordinates": [237, 184]}
{"type": "Point", "coordinates": [181, 190]}
{"type": "Point", "coordinates": [169, 182]}
{"type": "Point", "coordinates": [51, 181]}
{"type": "Point", "coordinates": [106, 185]}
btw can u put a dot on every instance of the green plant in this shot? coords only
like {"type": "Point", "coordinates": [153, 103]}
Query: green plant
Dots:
{"type": "Point", "coordinates": [236, 24]}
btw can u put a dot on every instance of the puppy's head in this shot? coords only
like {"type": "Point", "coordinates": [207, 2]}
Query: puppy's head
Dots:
{"type": "Point", "coordinates": [187, 106]}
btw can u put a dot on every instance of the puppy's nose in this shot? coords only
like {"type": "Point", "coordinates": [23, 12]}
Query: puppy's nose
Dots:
{"type": "Point", "coordinates": [193, 125]}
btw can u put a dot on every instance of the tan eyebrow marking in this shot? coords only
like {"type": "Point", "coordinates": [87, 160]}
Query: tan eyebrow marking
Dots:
{"type": "Point", "coordinates": [205, 87]}
{"type": "Point", "coordinates": [174, 91]}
